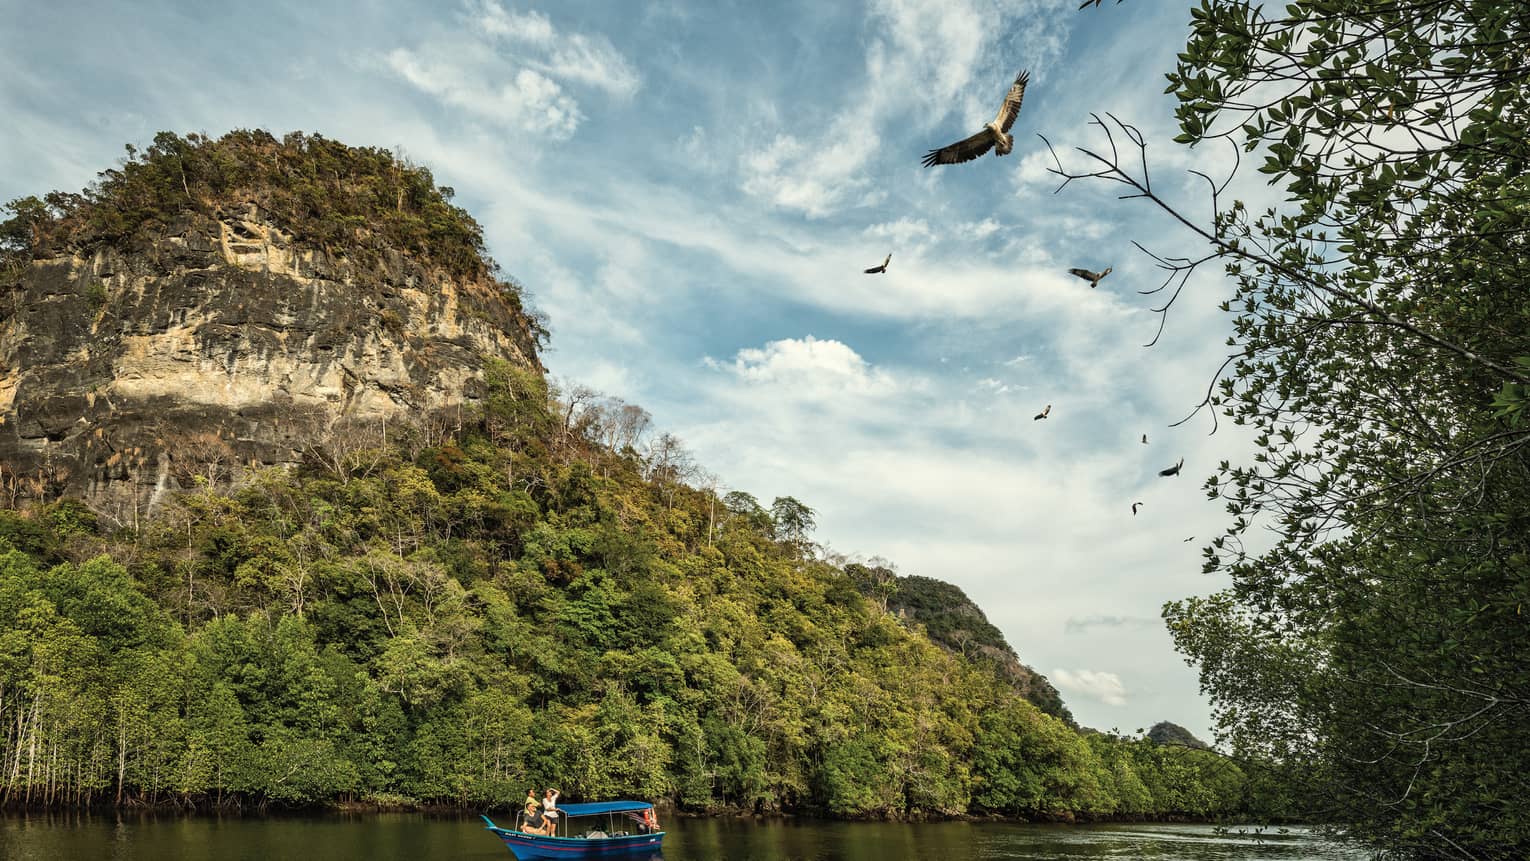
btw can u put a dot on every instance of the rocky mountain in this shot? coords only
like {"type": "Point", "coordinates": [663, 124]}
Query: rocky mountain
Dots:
{"type": "Point", "coordinates": [1168, 733]}
{"type": "Point", "coordinates": [953, 621]}
{"type": "Point", "coordinates": [252, 310]}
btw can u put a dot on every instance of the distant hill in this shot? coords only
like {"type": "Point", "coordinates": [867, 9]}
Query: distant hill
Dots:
{"type": "Point", "coordinates": [953, 621]}
{"type": "Point", "coordinates": [1164, 732]}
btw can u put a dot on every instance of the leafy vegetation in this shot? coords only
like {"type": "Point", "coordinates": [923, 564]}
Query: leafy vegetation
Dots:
{"type": "Point", "coordinates": [951, 620]}
{"type": "Point", "coordinates": [458, 616]}
{"type": "Point", "coordinates": [1381, 334]}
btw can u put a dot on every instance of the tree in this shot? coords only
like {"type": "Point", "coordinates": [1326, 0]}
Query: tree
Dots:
{"type": "Point", "coordinates": [879, 580]}
{"type": "Point", "coordinates": [792, 522]}
{"type": "Point", "coordinates": [1379, 351]}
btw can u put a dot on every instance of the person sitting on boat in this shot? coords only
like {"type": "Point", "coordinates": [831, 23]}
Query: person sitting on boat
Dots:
{"type": "Point", "coordinates": [550, 804]}
{"type": "Point", "coordinates": [533, 822]}
{"type": "Point", "coordinates": [648, 823]}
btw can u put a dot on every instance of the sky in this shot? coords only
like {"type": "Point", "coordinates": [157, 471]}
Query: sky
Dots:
{"type": "Point", "coordinates": [690, 191]}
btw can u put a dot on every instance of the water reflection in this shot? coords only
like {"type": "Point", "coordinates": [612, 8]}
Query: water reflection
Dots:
{"type": "Point", "coordinates": [415, 837]}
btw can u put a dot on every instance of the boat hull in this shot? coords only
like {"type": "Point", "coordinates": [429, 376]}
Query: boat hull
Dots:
{"type": "Point", "coordinates": [528, 846]}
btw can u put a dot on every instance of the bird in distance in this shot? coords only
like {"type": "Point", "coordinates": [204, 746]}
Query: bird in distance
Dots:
{"type": "Point", "coordinates": [883, 268]}
{"type": "Point", "coordinates": [1135, 506]}
{"type": "Point", "coordinates": [995, 133]}
{"type": "Point", "coordinates": [1144, 439]}
{"type": "Point", "coordinates": [1092, 277]}
{"type": "Point", "coordinates": [1173, 470]}
{"type": "Point", "coordinates": [1043, 414]}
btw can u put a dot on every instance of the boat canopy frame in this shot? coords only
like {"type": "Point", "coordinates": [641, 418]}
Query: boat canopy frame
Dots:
{"type": "Point", "coordinates": [567, 812]}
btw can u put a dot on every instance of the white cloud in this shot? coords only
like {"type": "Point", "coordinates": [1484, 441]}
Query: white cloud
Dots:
{"type": "Point", "coordinates": [528, 99]}
{"type": "Point", "coordinates": [904, 231]}
{"type": "Point", "coordinates": [1033, 174]}
{"type": "Point", "coordinates": [977, 230]}
{"type": "Point", "coordinates": [577, 57]}
{"type": "Point", "coordinates": [808, 367]}
{"type": "Point", "coordinates": [814, 179]}
{"type": "Point", "coordinates": [993, 386]}
{"type": "Point", "coordinates": [512, 69]}
{"type": "Point", "coordinates": [1094, 684]}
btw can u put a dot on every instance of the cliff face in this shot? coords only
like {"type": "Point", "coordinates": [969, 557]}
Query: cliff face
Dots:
{"type": "Point", "coordinates": [218, 343]}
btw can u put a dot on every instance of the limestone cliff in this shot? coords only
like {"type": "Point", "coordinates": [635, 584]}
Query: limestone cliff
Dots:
{"type": "Point", "coordinates": [213, 336]}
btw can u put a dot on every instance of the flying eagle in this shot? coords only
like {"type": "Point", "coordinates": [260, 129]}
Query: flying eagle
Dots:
{"type": "Point", "coordinates": [883, 268]}
{"type": "Point", "coordinates": [1043, 413]}
{"type": "Point", "coordinates": [1173, 470]}
{"type": "Point", "coordinates": [1134, 508]}
{"type": "Point", "coordinates": [1092, 277]}
{"type": "Point", "coordinates": [996, 132]}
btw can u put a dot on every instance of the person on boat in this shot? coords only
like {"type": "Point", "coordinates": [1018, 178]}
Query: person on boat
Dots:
{"type": "Point", "coordinates": [550, 805]}
{"type": "Point", "coordinates": [533, 822]}
{"type": "Point", "coordinates": [649, 823]}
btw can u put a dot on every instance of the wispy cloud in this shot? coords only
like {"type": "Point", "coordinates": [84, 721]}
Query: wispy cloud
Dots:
{"type": "Point", "coordinates": [1094, 684]}
{"type": "Point", "coordinates": [1083, 624]}
{"type": "Point", "coordinates": [527, 99]}
{"type": "Point", "coordinates": [511, 69]}
{"type": "Point", "coordinates": [573, 57]}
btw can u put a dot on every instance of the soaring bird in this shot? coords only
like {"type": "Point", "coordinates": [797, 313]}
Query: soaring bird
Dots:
{"type": "Point", "coordinates": [1173, 470]}
{"type": "Point", "coordinates": [883, 268]}
{"type": "Point", "coordinates": [1144, 439]}
{"type": "Point", "coordinates": [1191, 538]}
{"type": "Point", "coordinates": [1092, 277]}
{"type": "Point", "coordinates": [1043, 413]}
{"type": "Point", "coordinates": [1134, 508]}
{"type": "Point", "coordinates": [996, 132]}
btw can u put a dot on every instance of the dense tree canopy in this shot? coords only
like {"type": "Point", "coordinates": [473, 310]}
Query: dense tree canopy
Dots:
{"type": "Point", "coordinates": [1381, 351]}
{"type": "Point", "coordinates": [458, 616]}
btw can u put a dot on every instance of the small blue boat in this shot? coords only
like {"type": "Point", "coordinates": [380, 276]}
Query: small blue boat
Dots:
{"type": "Point", "coordinates": [587, 830]}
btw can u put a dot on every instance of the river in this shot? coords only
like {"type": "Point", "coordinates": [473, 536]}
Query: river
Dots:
{"type": "Point", "coordinates": [413, 837]}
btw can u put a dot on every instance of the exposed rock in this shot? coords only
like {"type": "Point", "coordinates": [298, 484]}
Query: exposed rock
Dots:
{"type": "Point", "coordinates": [223, 343]}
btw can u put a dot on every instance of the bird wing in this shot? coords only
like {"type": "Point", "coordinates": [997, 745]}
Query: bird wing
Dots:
{"type": "Point", "coordinates": [1085, 274]}
{"type": "Point", "coordinates": [962, 150]}
{"type": "Point", "coordinates": [1011, 107]}
{"type": "Point", "coordinates": [875, 269]}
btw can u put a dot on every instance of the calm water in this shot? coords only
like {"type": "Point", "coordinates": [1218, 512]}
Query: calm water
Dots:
{"type": "Point", "coordinates": [409, 837]}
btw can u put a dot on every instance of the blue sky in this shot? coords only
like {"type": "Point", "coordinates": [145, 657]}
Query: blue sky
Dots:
{"type": "Point", "coordinates": [690, 192]}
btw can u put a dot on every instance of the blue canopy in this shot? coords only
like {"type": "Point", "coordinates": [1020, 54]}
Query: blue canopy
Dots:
{"type": "Point", "coordinates": [603, 807]}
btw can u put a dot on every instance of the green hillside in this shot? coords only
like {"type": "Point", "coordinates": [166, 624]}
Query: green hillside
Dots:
{"type": "Point", "coordinates": [950, 619]}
